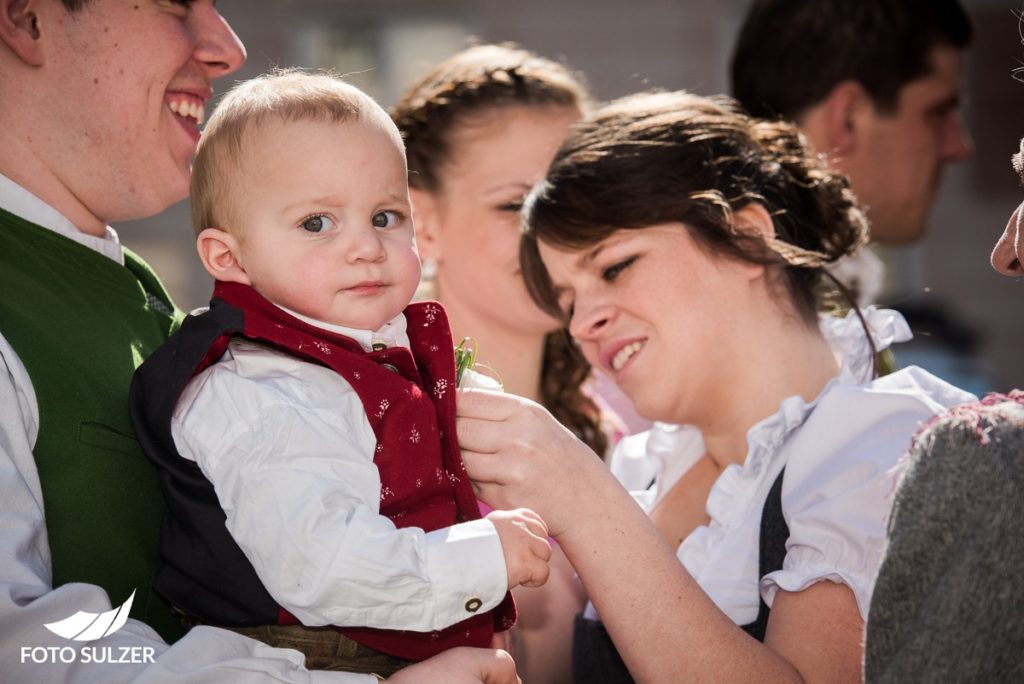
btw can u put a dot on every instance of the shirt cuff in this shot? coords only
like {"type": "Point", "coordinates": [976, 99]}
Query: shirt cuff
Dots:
{"type": "Point", "coordinates": [467, 569]}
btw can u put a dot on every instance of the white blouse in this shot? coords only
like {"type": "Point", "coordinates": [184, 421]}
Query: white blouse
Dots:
{"type": "Point", "coordinates": [842, 455]}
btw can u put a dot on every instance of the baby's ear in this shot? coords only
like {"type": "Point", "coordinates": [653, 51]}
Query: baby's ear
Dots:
{"type": "Point", "coordinates": [425, 217]}
{"type": "Point", "coordinates": [218, 250]}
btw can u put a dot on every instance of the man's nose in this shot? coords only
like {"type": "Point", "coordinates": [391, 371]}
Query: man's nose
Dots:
{"type": "Point", "coordinates": [218, 49]}
{"type": "Point", "coordinates": [956, 143]}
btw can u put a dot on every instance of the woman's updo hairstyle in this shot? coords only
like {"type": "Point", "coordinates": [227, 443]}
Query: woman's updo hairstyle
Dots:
{"type": "Point", "coordinates": [478, 79]}
{"type": "Point", "coordinates": [666, 157]}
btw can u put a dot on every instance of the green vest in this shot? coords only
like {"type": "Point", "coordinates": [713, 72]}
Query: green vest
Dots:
{"type": "Point", "coordinates": [81, 324]}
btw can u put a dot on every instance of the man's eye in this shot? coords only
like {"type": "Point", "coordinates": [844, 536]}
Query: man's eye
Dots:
{"type": "Point", "coordinates": [317, 224]}
{"type": "Point", "coordinates": [612, 272]}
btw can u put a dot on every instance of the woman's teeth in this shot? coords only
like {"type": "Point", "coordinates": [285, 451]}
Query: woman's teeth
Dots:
{"type": "Point", "coordinates": [187, 108]}
{"type": "Point", "coordinates": [625, 354]}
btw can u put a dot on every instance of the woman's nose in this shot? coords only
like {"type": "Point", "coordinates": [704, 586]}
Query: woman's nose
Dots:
{"type": "Point", "coordinates": [589, 321]}
{"type": "Point", "coordinates": [1006, 254]}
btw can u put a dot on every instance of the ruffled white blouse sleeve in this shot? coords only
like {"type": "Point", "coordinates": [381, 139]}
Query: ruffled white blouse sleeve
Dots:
{"type": "Point", "coordinates": [842, 466]}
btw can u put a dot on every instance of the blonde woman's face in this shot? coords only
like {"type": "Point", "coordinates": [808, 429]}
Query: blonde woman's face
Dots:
{"type": "Point", "coordinates": [497, 157]}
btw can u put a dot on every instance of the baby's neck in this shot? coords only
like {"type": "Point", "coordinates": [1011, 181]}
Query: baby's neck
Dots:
{"type": "Point", "coordinates": [391, 333]}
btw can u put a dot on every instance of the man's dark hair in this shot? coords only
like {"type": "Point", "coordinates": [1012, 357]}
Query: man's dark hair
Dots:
{"type": "Point", "coordinates": [74, 5]}
{"type": "Point", "coordinates": [791, 53]}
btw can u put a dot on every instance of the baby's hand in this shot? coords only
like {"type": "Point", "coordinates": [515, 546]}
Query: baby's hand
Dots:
{"type": "Point", "coordinates": [524, 541]}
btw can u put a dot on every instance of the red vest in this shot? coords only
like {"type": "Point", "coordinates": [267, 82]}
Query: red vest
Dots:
{"type": "Point", "coordinates": [409, 399]}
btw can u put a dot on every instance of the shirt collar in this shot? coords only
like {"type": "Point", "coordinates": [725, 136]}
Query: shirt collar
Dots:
{"type": "Point", "coordinates": [391, 334]}
{"type": "Point", "coordinates": [20, 202]}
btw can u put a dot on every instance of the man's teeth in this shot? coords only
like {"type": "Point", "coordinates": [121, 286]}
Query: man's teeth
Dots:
{"type": "Point", "coordinates": [625, 353]}
{"type": "Point", "coordinates": [186, 108]}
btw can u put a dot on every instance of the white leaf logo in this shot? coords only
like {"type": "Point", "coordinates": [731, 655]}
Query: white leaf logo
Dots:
{"type": "Point", "coordinates": [84, 626]}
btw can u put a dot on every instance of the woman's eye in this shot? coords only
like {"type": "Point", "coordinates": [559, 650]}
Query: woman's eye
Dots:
{"type": "Point", "coordinates": [612, 272]}
{"type": "Point", "coordinates": [317, 224]}
{"type": "Point", "coordinates": [386, 219]}
{"type": "Point", "coordinates": [512, 207]}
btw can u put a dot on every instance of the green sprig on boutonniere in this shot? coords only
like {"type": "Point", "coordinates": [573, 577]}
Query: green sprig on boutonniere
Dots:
{"type": "Point", "coordinates": [465, 357]}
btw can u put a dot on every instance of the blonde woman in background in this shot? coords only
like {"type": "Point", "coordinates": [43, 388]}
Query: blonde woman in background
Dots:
{"type": "Point", "coordinates": [480, 130]}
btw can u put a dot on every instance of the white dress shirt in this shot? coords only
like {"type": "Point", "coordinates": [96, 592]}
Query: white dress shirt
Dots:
{"type": "Point", "coordinates": [27, 598]}
{"type": "Point", "coordinates": [289, 450]}
{"type": "Point", "coordinates": [843, 455]}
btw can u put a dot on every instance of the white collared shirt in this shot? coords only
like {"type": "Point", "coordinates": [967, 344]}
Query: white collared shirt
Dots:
{"type": "Point", "coordinates": [289, 450]}
{"type": "Point", "coordinates": [20, 202]}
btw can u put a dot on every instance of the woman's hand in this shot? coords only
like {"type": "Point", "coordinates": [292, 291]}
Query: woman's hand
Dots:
{"type": "Point", "coordinates": [462, 665]}
{"type": "Point", "coordinates": [519, 456]}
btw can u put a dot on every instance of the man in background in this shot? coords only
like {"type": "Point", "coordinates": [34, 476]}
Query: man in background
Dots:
{"type": "Point", "coordinates": [876, 86]}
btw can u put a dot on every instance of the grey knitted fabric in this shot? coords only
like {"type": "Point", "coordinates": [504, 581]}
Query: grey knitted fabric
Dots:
{"type": "Point", "coordinates": [949, 602]}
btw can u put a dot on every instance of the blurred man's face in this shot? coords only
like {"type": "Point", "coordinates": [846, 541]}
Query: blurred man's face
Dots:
{"type": "Point", "coordinates": [897, 166]}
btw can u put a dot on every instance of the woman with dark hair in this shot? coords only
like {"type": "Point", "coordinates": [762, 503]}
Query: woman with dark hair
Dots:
{"type": "Point", "coordinates": [684, 244]}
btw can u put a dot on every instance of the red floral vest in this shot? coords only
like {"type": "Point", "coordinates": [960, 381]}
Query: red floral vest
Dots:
{"type": "Point", "coordinates": [409, 399]}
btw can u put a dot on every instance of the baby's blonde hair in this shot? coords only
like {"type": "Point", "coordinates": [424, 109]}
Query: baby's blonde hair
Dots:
{"type": "Point", "coordinates": [284, 95]}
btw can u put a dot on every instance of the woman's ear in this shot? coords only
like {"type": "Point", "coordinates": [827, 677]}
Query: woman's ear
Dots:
{"type": "Point", "coordinates": [218, 250]}
{"type": "Point", "coordinates": [426, 218]}
{"type": "Point", "coordinates": [754, 219]}
{"type": "Point", "coordinates": [19, 30]}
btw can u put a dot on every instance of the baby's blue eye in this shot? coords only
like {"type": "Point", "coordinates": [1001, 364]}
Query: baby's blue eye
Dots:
{"type": "Point", "coordinates": [317, 224]}
{"type": "Point", "coordinates": [385, 219]}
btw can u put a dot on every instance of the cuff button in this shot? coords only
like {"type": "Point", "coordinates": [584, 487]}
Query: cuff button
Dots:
{"type": "Point", "coordinates": [473, 605]}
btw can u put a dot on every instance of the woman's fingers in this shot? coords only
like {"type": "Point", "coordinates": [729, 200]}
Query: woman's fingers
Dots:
{"type": "Point", "coordinates": [484, 468]}
{"type": "Point", "coordinates": [481, 436]}
{"type": "Point", "coordinates": [486, 405]}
